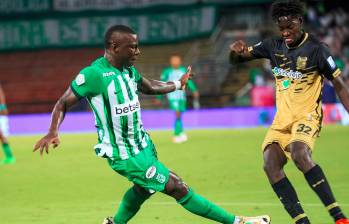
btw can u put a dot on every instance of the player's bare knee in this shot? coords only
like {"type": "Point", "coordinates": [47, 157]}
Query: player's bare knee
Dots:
{"type": "Point", "coordinates": [273, 171]}
{"type": "Point", "coordinates": [176, 188]}
{"type": "Point", "coordinates": [274, 160]}
{"type": "Point", "coordinates": [302, 159]}
{"type": "Point", "coordinates": [268, 167]}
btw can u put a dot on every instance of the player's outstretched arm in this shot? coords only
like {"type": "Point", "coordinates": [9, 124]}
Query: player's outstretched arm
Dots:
{"type": "Point", "coordinates": [342, 91]}
{"type": "Point", "coordinates": [67, 100]}
{"type": "Point", "coordinates": [154, 87]}
{"type": "Point", "coordinates": [239, 52]}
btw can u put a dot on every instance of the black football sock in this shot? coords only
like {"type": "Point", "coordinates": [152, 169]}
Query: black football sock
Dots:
{"type": "Point", "coordinates": [318, 182]}
{"type": "Point", "coordinates": [288, 197]}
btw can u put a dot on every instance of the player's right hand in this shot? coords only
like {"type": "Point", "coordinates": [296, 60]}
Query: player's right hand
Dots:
{"type": "Point", "coordinates": [239, 47]}
{"type": "Point", "coordinates": [184, 79]}
{"type": "Point", "coordinates": [44, 143]}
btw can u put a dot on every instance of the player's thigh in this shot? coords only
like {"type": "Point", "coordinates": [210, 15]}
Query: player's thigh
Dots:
{"type": "Point", "coordinates": [144, 170]}
{"type": "Point", "coordinates": [282, 139]}
{"type": "Point", "coordinates": [301, 155]}
{"type": "Point", "coordinates": [274, 158]}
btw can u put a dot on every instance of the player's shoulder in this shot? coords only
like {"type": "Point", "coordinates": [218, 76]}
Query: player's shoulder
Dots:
{"type": "Point", "coordinates": [95, 68]}
{"type": "Point", "coordinates": [89, 71]}
{"type": "Point", "coordinates": [313, 39]}
{"type": "Point", "coordinates": [167, 69]}
{"type": "Point", "coordinates": [183, 68]}
{"type": "Point", "coordinates": [315, 42]}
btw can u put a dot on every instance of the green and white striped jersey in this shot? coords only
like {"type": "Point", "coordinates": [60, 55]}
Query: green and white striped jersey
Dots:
{"type": "Point", "coordinates": [172, 74]}
{"type": "Point", "coordinates": [113, 97]}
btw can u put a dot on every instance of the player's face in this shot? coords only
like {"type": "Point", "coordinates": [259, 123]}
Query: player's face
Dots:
{"type": "Point", "coordinates": [175, 61]}
{"type": "Point", "coordinates": [127, 50]}
{"type": "Point", "coordinates": [290, 29]}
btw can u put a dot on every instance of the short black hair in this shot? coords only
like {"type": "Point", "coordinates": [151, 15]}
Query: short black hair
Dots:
{"type": "Point", "coordinates": [281, 8]}
{"type": "Point", "coordinates": [116, 28]}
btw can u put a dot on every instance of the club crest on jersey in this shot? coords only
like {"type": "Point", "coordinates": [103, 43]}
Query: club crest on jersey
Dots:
{"type": "Point", "coordinates": [301, 62]}
{"type": "Point", "coordinates": [80, 79]}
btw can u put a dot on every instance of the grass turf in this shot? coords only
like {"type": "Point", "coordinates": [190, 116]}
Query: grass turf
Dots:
{"type": "Point", "coordinates": [72, 185]}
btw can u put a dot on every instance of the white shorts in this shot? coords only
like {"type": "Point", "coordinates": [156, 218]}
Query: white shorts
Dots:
{"type": "Point", "coordinates": [4, 128]}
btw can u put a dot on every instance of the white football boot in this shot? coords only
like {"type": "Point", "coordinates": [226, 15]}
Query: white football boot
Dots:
{"type": "Point", "coordinates": [108, 220]}
{"type": "Point", "coordinates": [264, 219]}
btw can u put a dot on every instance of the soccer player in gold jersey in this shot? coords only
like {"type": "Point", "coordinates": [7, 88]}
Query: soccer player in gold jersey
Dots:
{"type": "Point", "coordinates": [299, 63]}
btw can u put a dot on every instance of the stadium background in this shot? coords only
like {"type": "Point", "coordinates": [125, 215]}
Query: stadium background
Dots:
{"type": "Point", "coordinates": [44, 44]}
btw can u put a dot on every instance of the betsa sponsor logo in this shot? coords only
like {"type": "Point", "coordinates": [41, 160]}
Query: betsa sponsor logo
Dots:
{"type": "Point", "coordinates": [127, 108]}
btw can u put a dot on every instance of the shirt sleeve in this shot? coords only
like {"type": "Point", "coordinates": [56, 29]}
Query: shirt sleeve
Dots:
{"type": "Point", "coordinates": [164, 75]}
{"type": "Point", "coordinates": [326, 64]}
{"type": "Point", "coordinates": [85, 83]}
{"type": "Point", "coordinates": [261, 49]}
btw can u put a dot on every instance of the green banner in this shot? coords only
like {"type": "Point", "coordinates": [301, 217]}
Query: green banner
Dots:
{"type": "Point", "coordinates": [24, 6]}
{"type": "Point", "coordinates": [83, 5]}
{"type": "Point", "coordinates": [89, 31]}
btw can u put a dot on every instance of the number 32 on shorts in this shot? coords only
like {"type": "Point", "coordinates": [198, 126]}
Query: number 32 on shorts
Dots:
{"type": "Point", "coordinates": [304, 128]}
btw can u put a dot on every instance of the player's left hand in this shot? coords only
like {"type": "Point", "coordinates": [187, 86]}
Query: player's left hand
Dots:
{"type": "Point", "coordinates": [44, 143]}
{"type": "Point", "coordinates": [184, 79]}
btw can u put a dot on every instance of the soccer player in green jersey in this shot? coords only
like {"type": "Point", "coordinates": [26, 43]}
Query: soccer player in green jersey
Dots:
{"type": "Point", "coordinates": [4, 131]}
{"type": "Point", "coordinates": [111, 85]}
{"type": "Point", "coordinates": [177, 99]}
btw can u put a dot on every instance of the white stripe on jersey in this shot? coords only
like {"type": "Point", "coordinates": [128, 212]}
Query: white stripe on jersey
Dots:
{"type": "Point", "coordinates": [133, 88]}
{"type": "Point", "coordinates": [130, 133]}
{"type": "Point", "coordinates": [98, 104]}
{"type": "Point", "coordinates": [116, 122]}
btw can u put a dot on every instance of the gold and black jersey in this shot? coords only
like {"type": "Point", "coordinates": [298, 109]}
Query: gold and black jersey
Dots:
{"type": "Point", "coordinates": [299, 74]}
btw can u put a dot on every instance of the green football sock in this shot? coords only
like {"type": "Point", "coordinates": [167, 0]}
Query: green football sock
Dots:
{"type": "Point", "coordinates": [129, 206]}
{"type": "Point", "coordinates": [178, 127]}
{"type": "Point", "coordinates": [7, 150]}
{"type": "Point", "coordinates": [198, 205]}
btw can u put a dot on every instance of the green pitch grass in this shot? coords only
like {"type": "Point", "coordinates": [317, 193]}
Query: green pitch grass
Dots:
{"type": "Point", "coordinates": [73, 186]}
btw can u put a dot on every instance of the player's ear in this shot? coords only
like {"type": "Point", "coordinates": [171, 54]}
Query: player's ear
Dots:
{"type": "Point", "coordinates": [300, 20]}
{"type": "Point", "coordinates": [115, 47]}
